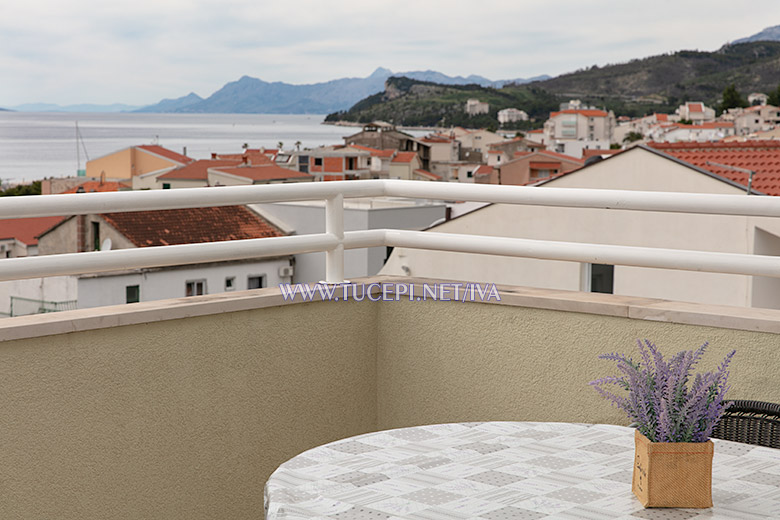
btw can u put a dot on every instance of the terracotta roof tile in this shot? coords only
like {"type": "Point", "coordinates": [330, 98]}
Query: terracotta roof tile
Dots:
{"type": "Point", "coordinates": [97, 186]}
{"type": "Point", "coordinates": [404, 157]}
{"type": "Point", "coordinates": [763, 157]}
{"type": "Point", "coordinates": [426, 173]}
{"type": "Point", "coordinates": [191, 226]}
{"type": "Point", "coordinates": [586, 113]}
{"type": "Point", "coordinates": [198, 170]}
{"type": "Point", "coordinates": [164, 152]}
{"type": "Point", "coordinates": [27, 230]}
{"type": "Point", "coordinates": [263, 173]}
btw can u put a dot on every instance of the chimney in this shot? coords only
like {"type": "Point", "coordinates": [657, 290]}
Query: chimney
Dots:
{"type": "Point", "coordinates": [102, 177]}
{"type": "Point", "coordinates": [213, 155]}
{"type": "Point", "coordinates": [184, 151]}
{"type": "Point", "coordinates": [244, 160]}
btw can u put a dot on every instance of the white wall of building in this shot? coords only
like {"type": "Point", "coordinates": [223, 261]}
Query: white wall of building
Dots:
{"type": "Point", "coordinates": [309, 217]}
{"type": "Point", "coordinates": [52, 289]}
{"type": "Point", "coordinates": [164, 283]}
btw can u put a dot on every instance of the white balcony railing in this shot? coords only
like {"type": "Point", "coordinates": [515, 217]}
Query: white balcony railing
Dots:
{"type": "Point", "coordinates": [335, 240]}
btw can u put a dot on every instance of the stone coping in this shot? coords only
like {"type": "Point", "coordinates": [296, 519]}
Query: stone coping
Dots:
{"type": "Point", "coordinates": [720, 316]}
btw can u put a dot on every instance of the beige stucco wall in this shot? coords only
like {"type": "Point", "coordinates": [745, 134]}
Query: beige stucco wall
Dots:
{"type": "Point", "coordinates": [181, 409]}
{"type": "Point", "coordinates": [64, 238]}
{"type": "Point", "coordinates": [127, 163]}
{"type": "Point", "coordinates": [449, 361]}
{"type": "Point", "coordinates": [115, 165]}
{"type": "Point", "coordinates": [181, 419]}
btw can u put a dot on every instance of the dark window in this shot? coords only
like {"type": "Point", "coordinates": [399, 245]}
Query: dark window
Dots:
{"type": "Point", "coordinates": [602, 278]}
{"type": "Point", "coordinates": [303, 163]}
{"type": "Point", "coordinates": [255, 282]}
{"type": "Point", "coordinates": [230, 283]}
{"type": "Point", "coordinates": [195, 288]}
{"type": "Point", "coordinates": [318, 161]}
{"type": "Point", "coordinates": [133, 294]}
{"type": "Point", "coordinates": [166, 185]}
{"type": "Point", "coordinates": [96, 236]}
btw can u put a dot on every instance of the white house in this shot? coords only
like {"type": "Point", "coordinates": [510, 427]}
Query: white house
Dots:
{"type": "Point", "coordinates": [147, 229]}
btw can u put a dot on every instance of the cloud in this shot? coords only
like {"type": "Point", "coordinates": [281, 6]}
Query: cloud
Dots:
{"type": "Point", "coordinates": [139, 51]}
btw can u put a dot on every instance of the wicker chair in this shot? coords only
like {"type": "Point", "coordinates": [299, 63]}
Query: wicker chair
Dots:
{"type": "Point", "coordinates": [751, 422]}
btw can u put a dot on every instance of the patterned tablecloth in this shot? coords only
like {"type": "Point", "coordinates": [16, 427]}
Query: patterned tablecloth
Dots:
{"type": "Point", "coordinates": [503, 471]}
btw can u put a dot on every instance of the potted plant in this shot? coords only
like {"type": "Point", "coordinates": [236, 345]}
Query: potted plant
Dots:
{"type": "Point", "coordinates": [674, 413]}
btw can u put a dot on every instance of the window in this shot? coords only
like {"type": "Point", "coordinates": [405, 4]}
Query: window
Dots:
{"type": "Point", "coordinates": [230, 283]}
{"type": "Point", "coordinates": [133, 294]}
{"type": "Point", "coordinates": [602, 278]}
{"type": "Point", "coordinates": [96, 236]}
{"type": "Point", "coordinates": [255, 282]}
{"type": "Point", "coordinates": [166, 185]}
{"type": "Point", "coordinates": [195, 288]}
{"type": "Point", "coordinates": [318, 161]}
{"type": "Point", "coordinates": [303, 163]}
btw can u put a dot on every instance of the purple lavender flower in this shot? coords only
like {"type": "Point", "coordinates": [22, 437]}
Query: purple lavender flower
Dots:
{"type": "Point", "coordinates": [662, 398]}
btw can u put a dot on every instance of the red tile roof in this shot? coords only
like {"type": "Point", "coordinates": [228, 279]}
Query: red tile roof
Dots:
{"type": "Point", "coordinates": [763, 157]}
{"type": "Point", "coordinates": [586, 113]}
{"type": "Point", "coordinates": [198, 170]}
{"type": "Point", "coordinates": [428, 174]}
{"type": "Point", "coordinates": [712, 125]}
{"type": "Point", "coordinates": [404, 157]}
{"type": "Point", "coordinates": [97, 186]}
{"type": "Point", "coordinates": [364, 148]}
{"type": "Point", "coordinates": [27, 230]}
{"type": "Point", "coordinates": [695, 107]}
{"type": "Point", "coordinates": [537, 131]}
{"type": "Point", "coordinates": [263, 173]}
{"type": "Point", "coordinates": [559, 156]}
{"type": "Point", "coordinates": [384, 153]}
{"type": "Point", "coordinates": [662, 117]}
{"type": "Point", "coordinates": [592, 153]}
{"type": "Point", "coordinates": [484, 170]}
{"type": "Point", "coordinates": [255, 157]}
{"type": "Point", "coordinates": [187, 226]}
{"type": "Point", "coordinates": [164, 152]}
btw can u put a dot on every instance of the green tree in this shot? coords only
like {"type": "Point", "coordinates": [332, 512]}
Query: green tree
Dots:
{"type": "Point", "coordinates": [774, 97]}
{"type": "Point", "coordinates": [732, 99]}
{"type": "Point", "coordinates": [23, 189]}
{"type": "Point", "coordinates": [633, 136]}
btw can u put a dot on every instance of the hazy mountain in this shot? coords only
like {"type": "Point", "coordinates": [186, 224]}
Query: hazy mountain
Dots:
{"type": "Point", "coordinates": [771, 34]}
{"type": "Point", "coordinates": [49, 107]}
{"type": "Point", "coordinates": [171, 105]}
{"type": "Point", "coordinates": [253, 95]}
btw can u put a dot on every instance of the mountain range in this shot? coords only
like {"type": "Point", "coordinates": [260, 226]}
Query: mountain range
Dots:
{"type": "Point", "coordinates": [252, 95]}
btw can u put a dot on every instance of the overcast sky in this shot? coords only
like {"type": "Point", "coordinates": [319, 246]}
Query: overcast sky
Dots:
{"type": "Point", "coordinates": [140, 51]}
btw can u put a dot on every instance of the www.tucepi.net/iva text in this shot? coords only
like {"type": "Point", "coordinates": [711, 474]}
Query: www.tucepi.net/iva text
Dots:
{"type": "Point", "coordinates": [375, 292]}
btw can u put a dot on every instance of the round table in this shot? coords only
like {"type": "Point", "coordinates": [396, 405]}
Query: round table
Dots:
{"type": "Point", "coordinates": [503, 471]}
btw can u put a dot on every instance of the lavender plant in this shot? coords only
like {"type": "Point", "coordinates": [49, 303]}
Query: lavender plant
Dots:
{"type": "Point", "coordinates": [664, 401]}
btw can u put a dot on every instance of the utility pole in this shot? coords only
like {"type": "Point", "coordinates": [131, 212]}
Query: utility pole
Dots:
{"type": "Point", "coordinates": [751, 173]}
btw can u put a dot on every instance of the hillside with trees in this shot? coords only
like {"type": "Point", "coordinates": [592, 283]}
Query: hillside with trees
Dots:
{"type": "Point", "coordinates": [655, 84]}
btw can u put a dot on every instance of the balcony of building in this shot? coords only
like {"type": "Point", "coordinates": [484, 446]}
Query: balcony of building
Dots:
{"type": "Point", "coordinates": [182, 408]}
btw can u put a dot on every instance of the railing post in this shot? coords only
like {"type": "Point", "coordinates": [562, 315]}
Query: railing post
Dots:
{"type": "Point", "coordinates": [334, 225]}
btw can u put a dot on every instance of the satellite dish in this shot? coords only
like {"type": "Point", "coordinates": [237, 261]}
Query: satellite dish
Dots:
{"type": "Point", "coordinates": [106, 245]}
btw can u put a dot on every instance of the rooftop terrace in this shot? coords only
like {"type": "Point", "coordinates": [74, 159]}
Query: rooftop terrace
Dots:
{"type": "Point", "coordinates": [182, 408]}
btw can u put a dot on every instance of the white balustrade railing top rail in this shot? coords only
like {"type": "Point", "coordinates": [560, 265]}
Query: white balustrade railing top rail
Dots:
{"type": "Point", "coordinates": [335, 240]}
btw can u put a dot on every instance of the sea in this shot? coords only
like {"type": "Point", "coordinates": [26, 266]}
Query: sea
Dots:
{"type": "Point", "coordinates": [36, 145]}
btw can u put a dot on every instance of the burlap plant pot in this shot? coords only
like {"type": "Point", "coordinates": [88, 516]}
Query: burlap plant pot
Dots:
{"type": "Point", "coordinates": [672, 474]}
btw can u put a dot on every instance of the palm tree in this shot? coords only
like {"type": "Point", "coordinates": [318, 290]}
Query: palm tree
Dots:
{"type": "Point", "coordinates": [298, 146]}
{"type": "Point", "coordinates": [280, 145]}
